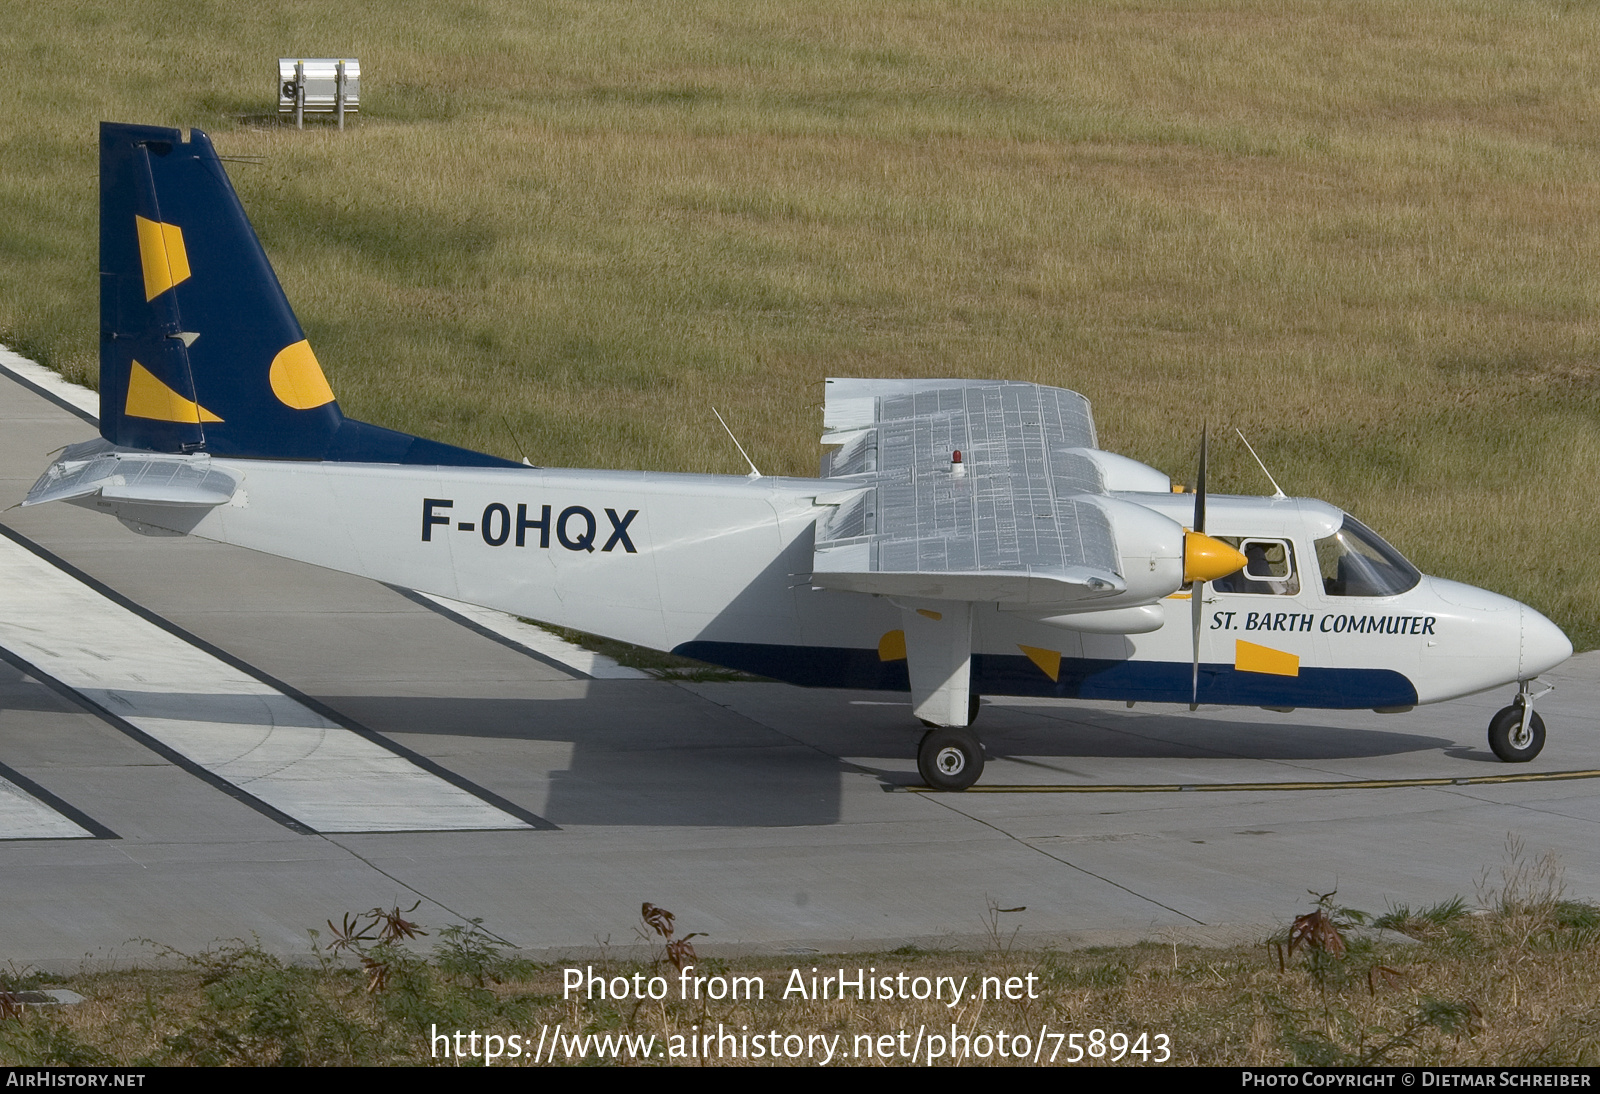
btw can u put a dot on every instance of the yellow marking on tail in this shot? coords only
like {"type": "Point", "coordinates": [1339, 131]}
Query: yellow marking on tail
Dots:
{"type": "Point", "coordinates": [148, 397]}
{"type": "Point", "coordinates": [297, 379]}
{"type": "Point", "coordinates": [162, 255]}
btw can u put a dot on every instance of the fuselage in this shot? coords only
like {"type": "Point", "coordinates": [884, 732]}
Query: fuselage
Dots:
{"type": "Point", "coordinates": [718, 568]}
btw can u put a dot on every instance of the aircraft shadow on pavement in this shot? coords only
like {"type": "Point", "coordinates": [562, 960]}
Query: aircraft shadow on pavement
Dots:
{"type": "Point", "coordinates": [650, 755]}
{"type": "Point", "coordinates": [877, 725]}
{"type": "Point", "coordinates": [744, 755]}
{"type": "Point", "coordinates": [24, 693]}
{"type": "Point", "coordinates": [638, 753]}
{"type": "Point", "coordinates": [1169, 737]}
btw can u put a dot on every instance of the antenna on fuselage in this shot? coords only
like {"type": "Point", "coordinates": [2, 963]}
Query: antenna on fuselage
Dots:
{"type": "Point", "coordinates": [516, 440]}
{"type": "Point", "coordinates": [1279, 490]}
{"type": "Point", "coordinates": [754, 472]}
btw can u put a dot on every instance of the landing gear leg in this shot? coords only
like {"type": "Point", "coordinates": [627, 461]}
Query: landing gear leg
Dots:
{"type": "Point", "coordinates": [950, 758]}
{"type": "Point", "coordinates": [974, 704]}
{"type": "Point", "coordinates": [1516, 734]}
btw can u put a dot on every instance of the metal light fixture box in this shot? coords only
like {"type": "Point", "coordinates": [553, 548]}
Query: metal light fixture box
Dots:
{"type": "Point", "coordinates": [318, 85]}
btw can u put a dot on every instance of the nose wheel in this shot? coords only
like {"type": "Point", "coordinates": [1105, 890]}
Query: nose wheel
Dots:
{"type": "Point", "coordinates": [950, 758]}
{"type": "Point", "coordinates": [1516, 734]}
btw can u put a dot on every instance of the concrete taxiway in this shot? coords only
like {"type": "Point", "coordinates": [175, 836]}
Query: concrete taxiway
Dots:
{"type": "Point", "coordinates": [201, 743]}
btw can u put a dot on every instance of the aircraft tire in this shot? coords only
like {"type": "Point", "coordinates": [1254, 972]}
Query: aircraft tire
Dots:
{"type": "Point", "coordinates": [1503, 736]}
{"type": "Point", "coordinates": [950, 758]}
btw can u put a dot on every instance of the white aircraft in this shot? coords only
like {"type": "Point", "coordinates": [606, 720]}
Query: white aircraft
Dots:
{"type": "Point", "coordinates": [965, 537]}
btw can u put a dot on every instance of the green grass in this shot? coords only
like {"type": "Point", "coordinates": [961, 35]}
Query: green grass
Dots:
{"type": "Point", "coordinates": [1422, 922]}
{"type": "Point", "coordinates": [1364, 234]}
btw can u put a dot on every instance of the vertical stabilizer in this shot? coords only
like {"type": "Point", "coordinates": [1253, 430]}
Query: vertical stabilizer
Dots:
{"type": "Point", "coordinates": [199, 349]}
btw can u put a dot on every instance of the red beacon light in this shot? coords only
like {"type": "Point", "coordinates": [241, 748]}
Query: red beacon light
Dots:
{"type": "Point", "coordinates": [957, 468]}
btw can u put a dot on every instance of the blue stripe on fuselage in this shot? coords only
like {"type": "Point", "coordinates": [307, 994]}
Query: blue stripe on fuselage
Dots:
{"type": "Point", "coordinates": [1141, 681]}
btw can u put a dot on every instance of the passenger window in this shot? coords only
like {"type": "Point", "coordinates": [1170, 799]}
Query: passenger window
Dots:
{"type": "Point", "coordinates": [1269, 568]}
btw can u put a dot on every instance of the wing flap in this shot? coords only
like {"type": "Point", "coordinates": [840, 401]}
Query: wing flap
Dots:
{"type": "Point", "coordinates": [1050, 590]}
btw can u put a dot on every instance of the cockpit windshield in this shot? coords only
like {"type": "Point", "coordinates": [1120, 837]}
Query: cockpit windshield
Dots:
{"type": "Point", "coordinates": [1355, 561]}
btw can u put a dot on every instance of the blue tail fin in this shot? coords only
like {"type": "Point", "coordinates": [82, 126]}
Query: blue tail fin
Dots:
{"type": "Point", "coordinates": [199, 349]}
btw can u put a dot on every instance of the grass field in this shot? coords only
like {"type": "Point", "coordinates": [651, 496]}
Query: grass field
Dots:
{"type": "Point", "coordinates": [1362, 233]}
{"type": "Point", "coordinates": [1512, 982]}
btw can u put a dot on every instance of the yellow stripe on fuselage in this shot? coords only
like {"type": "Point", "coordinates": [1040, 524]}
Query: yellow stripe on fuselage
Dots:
{"type": "Point", "coordinates": [1249, 657]}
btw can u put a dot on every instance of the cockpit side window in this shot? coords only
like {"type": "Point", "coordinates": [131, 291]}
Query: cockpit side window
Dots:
{"type": "Point", "coordinates": [1355, 561]}
{"type": "Point", "coordinates": [1269, 568]}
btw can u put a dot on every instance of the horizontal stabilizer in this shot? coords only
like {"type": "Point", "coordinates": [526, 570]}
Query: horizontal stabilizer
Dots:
{"type": "Point", "coordinates": [96, 468]}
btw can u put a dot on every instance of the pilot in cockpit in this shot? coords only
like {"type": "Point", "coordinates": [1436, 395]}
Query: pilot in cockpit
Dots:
{"type": "Point", "coordinates": [1266, 571]}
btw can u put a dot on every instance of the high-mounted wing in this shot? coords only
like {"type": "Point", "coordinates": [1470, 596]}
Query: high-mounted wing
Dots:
{"type": "Point", "coordinates": [1020, 520]}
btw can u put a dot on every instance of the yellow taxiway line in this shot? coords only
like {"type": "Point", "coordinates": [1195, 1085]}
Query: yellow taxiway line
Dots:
{"type": "Point", "coordinates": [1338, 784]}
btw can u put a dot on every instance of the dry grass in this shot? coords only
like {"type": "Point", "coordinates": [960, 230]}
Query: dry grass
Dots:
{"type": "Point", "coordinates": [1515, 983]}
{"type": "Point", "coordinates": [1362, 233]}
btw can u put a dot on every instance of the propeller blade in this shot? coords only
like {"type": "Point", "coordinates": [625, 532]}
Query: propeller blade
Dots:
{"type": "Point", "coordinates": [1196, 609]}
{"type": "Point", "coordinates": [1198, 588]}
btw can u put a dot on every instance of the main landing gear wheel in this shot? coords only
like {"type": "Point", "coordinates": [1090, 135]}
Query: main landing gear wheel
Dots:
{"type": "Point", "coordinates": [1510, 740]}
{"type": "Point", "coordinates": [950, 758]}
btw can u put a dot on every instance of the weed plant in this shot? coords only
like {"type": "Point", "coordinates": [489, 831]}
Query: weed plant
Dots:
{"type": "Point", "coordinates": [1513, 983]}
